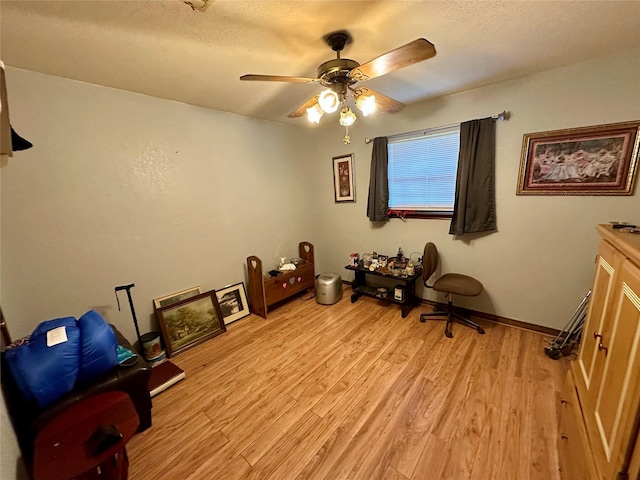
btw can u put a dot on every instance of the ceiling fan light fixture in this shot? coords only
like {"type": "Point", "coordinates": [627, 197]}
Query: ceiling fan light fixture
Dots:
{"type": "Point", "coordinates": [315, 113]}
{"type": "Point", "coordinates": [329, 101]}
{"type": "Point", "coordinates": [340, 75]}
{"type": "Point", "coordinates": [366, 104]}
{"type": "Point", "coordinates": [347, 117]}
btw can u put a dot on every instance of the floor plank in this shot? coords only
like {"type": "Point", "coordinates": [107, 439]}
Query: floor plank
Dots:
{"type": "Point", "coordinates": [355, 391]}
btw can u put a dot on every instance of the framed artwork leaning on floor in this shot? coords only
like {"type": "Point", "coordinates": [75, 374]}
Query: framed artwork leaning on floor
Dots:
{"type": "Point", "coordinates": [176, 297]}
{"type": "Point", "coordinates": [233, 302]}
{"type": "Point", "coordinates": [190, 322]}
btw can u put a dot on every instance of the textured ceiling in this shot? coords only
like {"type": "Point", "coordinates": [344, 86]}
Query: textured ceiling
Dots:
{"type": "Point", "coordinates": [165, 49]}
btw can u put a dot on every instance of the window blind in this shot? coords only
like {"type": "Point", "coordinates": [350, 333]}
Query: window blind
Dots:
{"type": "Point", "coordinates": [422, 171]}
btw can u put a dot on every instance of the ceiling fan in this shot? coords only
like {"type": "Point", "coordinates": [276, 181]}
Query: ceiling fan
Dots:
{"type": "Point", "coordinates": [341, 75]}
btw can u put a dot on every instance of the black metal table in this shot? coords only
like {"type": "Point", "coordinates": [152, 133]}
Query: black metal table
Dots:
{"type": "Point", "coordinates": [360, 287]}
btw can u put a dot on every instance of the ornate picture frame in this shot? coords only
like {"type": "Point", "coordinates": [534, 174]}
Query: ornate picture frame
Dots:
{"type": "Point", "coordinates": [190, 322]}
{"type": "Point", "coordinates": [597, 160]}
{"type": "Point", "coordinates": [343, 181]}
{"type": "Point", "coordinates": [176, 297]}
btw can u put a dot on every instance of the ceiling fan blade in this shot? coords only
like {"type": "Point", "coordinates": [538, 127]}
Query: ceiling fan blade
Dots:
{"type": "Point", "coordinates": [383, 103]}
{"type": "Point", "coordinates": [302, 109]}
{"type": "Point", "coordinates": [278, 78]}
{"type": "Point", "coordinates": [413, 52]}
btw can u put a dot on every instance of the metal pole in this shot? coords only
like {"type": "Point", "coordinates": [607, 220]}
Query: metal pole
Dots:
{"type": "Point", "coordinates": [500, 116]}
{"type": "Point", "coordinates": [133, 310]}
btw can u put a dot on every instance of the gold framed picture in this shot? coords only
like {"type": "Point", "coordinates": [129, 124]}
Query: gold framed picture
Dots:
{"type": "Point", "coordinates": [176, 297]}
{"type": "Point", "coordinates": [598, 160]}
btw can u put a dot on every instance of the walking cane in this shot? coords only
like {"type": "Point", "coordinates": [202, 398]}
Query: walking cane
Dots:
{"type": "Point", "coordinates": [133, 313]}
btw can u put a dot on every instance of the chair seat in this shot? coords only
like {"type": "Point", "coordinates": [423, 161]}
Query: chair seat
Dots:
{"type": "Point", "coordinates": [458, 284]}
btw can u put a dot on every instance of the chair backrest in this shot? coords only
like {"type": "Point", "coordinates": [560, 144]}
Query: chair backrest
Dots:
{"type": "Point", "coordinates": [429, 261]}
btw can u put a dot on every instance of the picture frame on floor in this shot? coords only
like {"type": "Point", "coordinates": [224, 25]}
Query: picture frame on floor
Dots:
{"type": "Point", "coordinates": [343, 181]}
{"type": "Point", "coordinates": [190, 322]}
{"type": "Point", "coordinates": [597, 160]}
{"type": "Point", "coordinates": [233, 302]}
{"type": "Point", "coordinates": [177, 297]}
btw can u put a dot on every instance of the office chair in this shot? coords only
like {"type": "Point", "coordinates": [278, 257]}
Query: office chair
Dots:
{"type": "Point", "coordinates": [450, 284]}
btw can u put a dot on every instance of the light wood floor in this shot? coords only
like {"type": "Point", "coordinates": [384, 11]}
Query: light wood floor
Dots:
{"type": "Point", "coordinates": [354, 391]}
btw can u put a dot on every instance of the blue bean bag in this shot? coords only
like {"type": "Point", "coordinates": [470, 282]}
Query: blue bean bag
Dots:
{"type": "Point", "coordinates": [98, 346]}
{"type": "Point", "coordinates": [46, 367]}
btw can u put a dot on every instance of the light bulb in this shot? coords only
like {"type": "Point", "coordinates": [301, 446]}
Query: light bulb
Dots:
{"type": "Point", "coordinates": [347, 117]}
{"type": "Point", "coordinates": [329, 101]}
{"type": "Point", "coordinates": [315, 113]}
{"type": "Point", "coordinates": [366, 104]}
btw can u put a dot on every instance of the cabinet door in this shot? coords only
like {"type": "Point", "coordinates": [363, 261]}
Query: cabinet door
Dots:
{"type": "Point", "coordinates": [575, 463]}
{"type": "Point", "coordinates": [590, 361]}
{"type": "Point", "coordinates": [611, 422]}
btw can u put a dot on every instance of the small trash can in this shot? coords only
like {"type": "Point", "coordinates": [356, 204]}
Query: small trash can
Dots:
{"type": "Point", "coordinates": [151, 345]}
{"type": "Point", "coordinates": [328, 288]}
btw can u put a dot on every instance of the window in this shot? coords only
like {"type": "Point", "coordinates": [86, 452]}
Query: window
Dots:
{"type": "Point", "coordinates": [422, 173]}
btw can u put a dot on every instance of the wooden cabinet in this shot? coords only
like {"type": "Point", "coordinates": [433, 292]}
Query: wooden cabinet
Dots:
{"type": "Point", "coordinates": [572, 440]}
{"type": "Point", "coordinates": [591, 359]}
{"type": "Point", "coordinates": [606, 374]}
{"type": "Point", "coordinates": [264, 293]}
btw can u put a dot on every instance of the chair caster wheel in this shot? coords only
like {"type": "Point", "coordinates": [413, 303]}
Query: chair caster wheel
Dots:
{"type": "Point", "coordinates": [481, 330]}
{"type": "Point", "coordinates": [422, 319]}
{"type": "Point", "coordinates": [448, 334]}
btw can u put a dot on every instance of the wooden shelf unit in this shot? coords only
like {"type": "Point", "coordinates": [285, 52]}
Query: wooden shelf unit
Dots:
{"type": "Point", "coordinates": [599, 436]}
{"type": "Point", "coordinates": [360, 287]}
{"type": "Point", "coordinates": [263, 294]}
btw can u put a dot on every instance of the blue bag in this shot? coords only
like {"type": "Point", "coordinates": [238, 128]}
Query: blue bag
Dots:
{"type": "Point", "coordinates": [46, 367]}
{"type": "Point", "coordinates": [98, 346]}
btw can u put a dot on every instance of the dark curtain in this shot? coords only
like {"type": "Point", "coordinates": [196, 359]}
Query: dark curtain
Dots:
{"type": "Point", "coordinates": [378, 204]}
{"type": "Point", "coordinates": [6, 148]}
{"type": "Point", "coordinates": [475, 204]}
{"type": "Point", "coordinates": [10, 141]}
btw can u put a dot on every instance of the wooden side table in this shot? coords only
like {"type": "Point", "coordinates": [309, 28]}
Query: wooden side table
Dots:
{"type": "Point", "coordinates": [61, 451]}
{"type": "Point", "coordinates": [360, 287]}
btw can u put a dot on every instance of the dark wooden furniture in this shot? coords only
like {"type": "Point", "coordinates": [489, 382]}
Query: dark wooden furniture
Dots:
{"type": "Point", "coordinates": [264, 293]}
{"type": "Point", "coordinates": [28, 419]}
{"type": "Point", "coordinates": [361, 287]}
{"type": "Point", "coordinates": [65, 449]}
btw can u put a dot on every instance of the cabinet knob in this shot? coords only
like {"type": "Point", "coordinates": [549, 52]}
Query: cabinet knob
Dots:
{"type": "Point", "coordinates": [597, 336]}
{"type": "Point", "coordinates": [602, 347]}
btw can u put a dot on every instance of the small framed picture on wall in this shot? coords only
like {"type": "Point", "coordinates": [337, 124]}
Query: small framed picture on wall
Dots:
{"type": "Point", "coordinates": [343, 181]}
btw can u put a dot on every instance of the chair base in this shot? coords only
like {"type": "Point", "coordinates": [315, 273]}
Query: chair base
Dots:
{"type": "Point", "coordinates": [452, 314]}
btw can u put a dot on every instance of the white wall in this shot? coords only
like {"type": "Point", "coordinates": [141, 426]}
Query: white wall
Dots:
{"type": "Point", "coordinates": [123, 188]}
{"type": "Point", "coordinates": [539, 264]}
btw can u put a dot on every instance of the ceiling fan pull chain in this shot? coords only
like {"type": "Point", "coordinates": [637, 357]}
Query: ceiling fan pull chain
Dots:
{"type": "Point", "coordinates": [347, 138]}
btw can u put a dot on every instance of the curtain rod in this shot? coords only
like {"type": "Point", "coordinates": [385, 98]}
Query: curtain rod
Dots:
{"type": "Point", "coordinates": [504, 115]}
